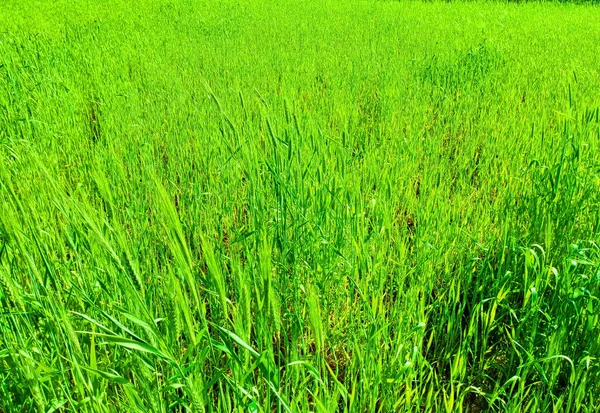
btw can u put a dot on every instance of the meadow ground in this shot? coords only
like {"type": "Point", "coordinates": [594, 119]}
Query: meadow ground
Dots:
{"type": "Point", "coordinates": [323, 206]}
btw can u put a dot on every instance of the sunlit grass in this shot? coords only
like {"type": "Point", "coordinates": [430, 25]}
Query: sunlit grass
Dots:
{"type": "Point", "coordinates": [299, 206]}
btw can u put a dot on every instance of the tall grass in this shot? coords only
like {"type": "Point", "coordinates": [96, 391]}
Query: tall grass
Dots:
{"type": "Point", "coordinates": [299, 206]}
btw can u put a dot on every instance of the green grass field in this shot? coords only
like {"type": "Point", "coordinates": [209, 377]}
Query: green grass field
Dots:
{"type": "Point", "coordinates": [299, 206]}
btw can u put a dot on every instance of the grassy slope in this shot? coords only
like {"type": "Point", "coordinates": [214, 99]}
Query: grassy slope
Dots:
{"type": "Point", "coordinates": [326, 206]}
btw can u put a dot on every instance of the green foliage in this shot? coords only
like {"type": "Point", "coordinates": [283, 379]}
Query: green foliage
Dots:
{"type": "Point", "coordinates": [299, 206]}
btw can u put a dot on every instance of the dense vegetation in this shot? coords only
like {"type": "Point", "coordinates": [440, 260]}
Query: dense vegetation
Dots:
{"type": "Point", "coordinates": [264, 205]}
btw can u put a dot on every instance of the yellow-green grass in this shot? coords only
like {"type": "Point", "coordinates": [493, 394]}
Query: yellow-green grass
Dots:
{"type": "Point", "coordinates": [322, 206]}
